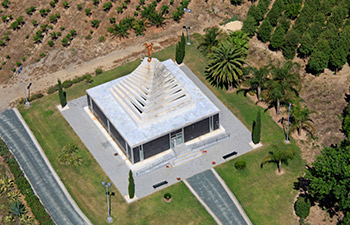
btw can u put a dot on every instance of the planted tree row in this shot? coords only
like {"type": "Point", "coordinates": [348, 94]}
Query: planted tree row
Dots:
{"type": "Point", "coordinates": [319, 37]}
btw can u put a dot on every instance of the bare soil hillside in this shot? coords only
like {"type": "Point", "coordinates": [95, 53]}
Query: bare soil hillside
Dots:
{"type": "Point", "coordinates": [43, 64]}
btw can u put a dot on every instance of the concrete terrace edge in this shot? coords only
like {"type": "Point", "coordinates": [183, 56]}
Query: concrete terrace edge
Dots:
{"type": "Point", "coordinates": [59, 181]}
{"type": "Point", "coordinates": [233, 198]}
{"type": "Point", "coordinates": [202, 202]}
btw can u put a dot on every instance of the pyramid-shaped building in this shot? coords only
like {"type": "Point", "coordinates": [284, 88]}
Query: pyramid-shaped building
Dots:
{"type": "Point", "coordinates": [153, 109]}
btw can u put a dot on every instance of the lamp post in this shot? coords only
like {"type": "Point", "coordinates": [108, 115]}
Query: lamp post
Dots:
{"type": "Point", "coordinates": [186, 10]}
{"type": "Point", "coordinates": [287, 140]}
{"type": "Point", "coordinates": [30, 84]}
{"type": "Point", "coordinates": [109, 218]}
{"type": "Point", "coordinates": [24, 88]}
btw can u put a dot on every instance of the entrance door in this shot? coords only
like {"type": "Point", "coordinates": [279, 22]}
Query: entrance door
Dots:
{"type": "Point", "coordinates": [176, 138]}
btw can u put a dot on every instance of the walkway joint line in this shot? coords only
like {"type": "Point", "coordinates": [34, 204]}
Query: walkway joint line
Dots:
{"type": "Point", "coordinates": [233, 198]}
{"type": "Point", "coordinates": [203, 203]}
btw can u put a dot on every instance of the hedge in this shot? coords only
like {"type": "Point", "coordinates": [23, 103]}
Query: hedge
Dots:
{"type": "Point", "coordinates": [23, 185]}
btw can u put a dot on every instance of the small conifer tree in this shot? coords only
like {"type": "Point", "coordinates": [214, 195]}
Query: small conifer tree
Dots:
{"type": "Point", "coordinates": [61, 94]}
{"type": "Point", "coordinates": [257, 128]}
{"type": "Point", "coordinates": [183, 46]}
{"type": "Point", "coordinates": [180, 50]}
{"type": "Point", "coordinates": [178, 54]}
{"type": "Point", "coordinates": [131, 185]}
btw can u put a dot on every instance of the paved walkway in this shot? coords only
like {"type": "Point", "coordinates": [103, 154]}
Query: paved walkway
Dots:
{"type": "Point", "coordinates": [44, 181]}
{"type": "Point", "coordinates": [103, 148]}
{"type": "Point", "coordinates": [209, 189]}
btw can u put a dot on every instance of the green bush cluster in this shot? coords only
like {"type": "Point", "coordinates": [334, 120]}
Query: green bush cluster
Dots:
{"type": "Point", "coordinates": [302, 207]}
{"type": "Point", "coordinates": [98, 71]}
{"type": "Point", "coordinates": [23, 185]}
{"type": "Point", "coordinates": [69, 83]}
{"type": "Point", "coordinates": [70, 156]}
{"type": "Point", "coordinates": [240, 165]}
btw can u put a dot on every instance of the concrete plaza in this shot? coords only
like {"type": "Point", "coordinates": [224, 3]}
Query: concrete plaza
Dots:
{"type": "Point", "coordinates": [117, 168]}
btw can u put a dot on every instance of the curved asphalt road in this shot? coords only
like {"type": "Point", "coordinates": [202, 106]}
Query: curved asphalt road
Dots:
{"type": "Point", "coordinates": [50, 191]}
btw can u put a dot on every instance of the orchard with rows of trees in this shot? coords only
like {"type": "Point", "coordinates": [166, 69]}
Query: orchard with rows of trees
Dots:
{"type": "Point", "coordinates": [315, 30]}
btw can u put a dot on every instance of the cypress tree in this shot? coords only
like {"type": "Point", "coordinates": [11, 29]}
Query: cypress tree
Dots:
{"type": "Point", "coordinates": [180, 50]}
{"type": "Point", "coordinates": [61, 94]}
{"type": "Point", "coordinates": [131, 185]}
{"type": "Point", "coordinates": [257, 128]}
{"type": "Point", "coordinates": [178, 54]}
{"type": "Point", "coordinates": [183, 46]}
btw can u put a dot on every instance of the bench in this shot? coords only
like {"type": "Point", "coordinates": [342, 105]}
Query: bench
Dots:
{"type": "Point", "coordinates": [160, 184]}
{"type": "Point", "coordinates": [229, 155]}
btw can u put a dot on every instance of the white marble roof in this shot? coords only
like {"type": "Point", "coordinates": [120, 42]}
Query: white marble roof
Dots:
{"type": "Point", "coordinates": [150, 93]}
{"type": "Point", "coordinates": [155, 99]}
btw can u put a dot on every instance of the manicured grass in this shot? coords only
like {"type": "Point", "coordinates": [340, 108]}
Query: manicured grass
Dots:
{"type": "Point", "coordinates": [84, 182]}
{"type": "Point", "coordinates": [266, 197]}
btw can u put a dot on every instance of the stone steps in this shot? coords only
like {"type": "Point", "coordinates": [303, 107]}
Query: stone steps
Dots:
{"type": "Point", "coordinates": [186, 157]}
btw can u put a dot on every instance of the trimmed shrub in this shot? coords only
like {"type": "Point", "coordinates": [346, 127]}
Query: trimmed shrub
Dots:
{"type": "Point", "coordinates": [98, 71]}
{"type": "Point", "coordinates": [61, 94]}
{"type": "Point", "coordinates": [78, 79]}
{"type": "Point", "coordinates": [240, 165]}
{"type": "Point", "coordinates": [302, 207]}
{"type": "Point", "coordinates": [167, 196]}
{"type": "Point", "coordinates": [257, 128]}
{"type": "Point", "coordinates": [35, 96]}
{"type": "Point", "coordinates": [88, 78]}
{"type": "Point", "coordinates": [67, 84]}
{"type": "Point", "coordinates": [52, 89]}
{"type": "Point", "coordinates": [131, 187]}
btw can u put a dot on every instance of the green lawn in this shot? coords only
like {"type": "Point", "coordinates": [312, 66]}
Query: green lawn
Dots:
{"type": "Point", "coordinates": [84, 183]}
{"type": "Point", "coordinates": [266, 197]}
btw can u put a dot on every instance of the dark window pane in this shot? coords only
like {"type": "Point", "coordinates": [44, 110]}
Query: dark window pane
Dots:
{"type": "Point", "coordinates": [197, 129]}
{"type": "Point", "coordinates": [156, 146]}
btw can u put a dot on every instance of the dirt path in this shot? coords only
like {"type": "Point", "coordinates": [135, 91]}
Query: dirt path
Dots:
{"type": "Point", "coordinates": [14, 89]}
{"type": "Point", "coordinates": [75, 61]}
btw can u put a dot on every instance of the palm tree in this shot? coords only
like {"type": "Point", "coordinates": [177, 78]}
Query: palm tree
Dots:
{"type": "Point", "coordinates": [258, 79]}
{"type": "Point", "coordinates": [120, 30]}
{"type": "Point", "coordinates": [17, 208]}
{"type": "Point", "coordinates": [278, 157]}
{"type": "Point", "coordinates": [225, 65]}
{"type": "Point", "coordinates": [240, 39]}
{"type": "Point", "coordinates": [157, 19]}
{"type": "Point", "coordinates": [139, 27]}
{"type": "Point", "coordinates": [274, 94]}
{"type": "Point", "coordinates": [147, 11]}
{"type": "Point", "coordinates": [284, 85]}
{"type": "Point", "coordinates": [209, 40]}
{"type": "Point", "coordinates": [300, 119]}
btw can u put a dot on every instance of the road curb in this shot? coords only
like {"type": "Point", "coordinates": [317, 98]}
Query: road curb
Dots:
{"type": "Point", "coordinates": [202, 202]}
{"type": "Point", "coordinates": [60, 183]}
{"type": "Point", "coordinates": [233, 198]}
